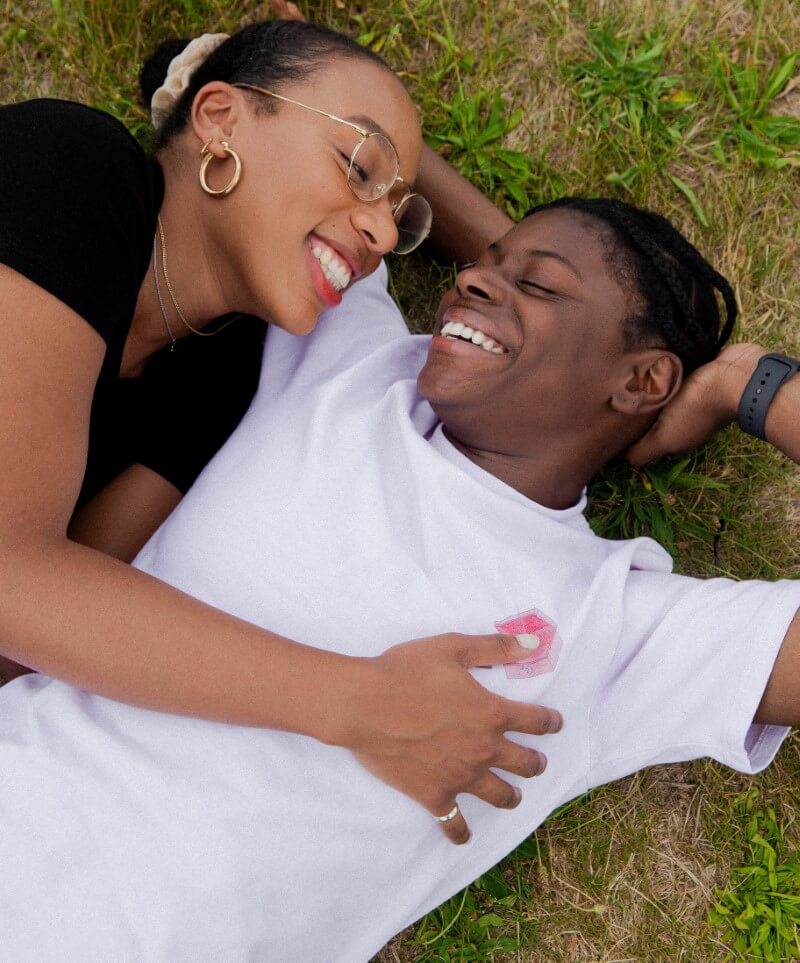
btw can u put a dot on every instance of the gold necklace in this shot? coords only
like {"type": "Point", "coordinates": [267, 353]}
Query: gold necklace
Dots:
{"type": "Point", "coordinates": [201, 334]}
{"type": "Point", "coordinates": [161, 300]}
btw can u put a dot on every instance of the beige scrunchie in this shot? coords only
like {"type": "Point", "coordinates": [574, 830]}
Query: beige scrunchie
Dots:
{"type": "Point", "coordinates": [179, 73]}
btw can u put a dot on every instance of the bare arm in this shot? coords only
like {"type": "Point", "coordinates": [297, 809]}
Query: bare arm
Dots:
{"type": "Point", "coordinates": [413, 715]}
{"type": "Point", "coordinates": [465, 222]}
{"type": "Point", "coordinates": [708, 402]}
{"type": "Point", "coordinates": [120, 519]}
{"type": "Point", "coordinates": [780, 705]}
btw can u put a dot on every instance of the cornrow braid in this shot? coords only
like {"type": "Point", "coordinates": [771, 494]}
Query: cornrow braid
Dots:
{"type": "Point", "coordinates": [672, 278]}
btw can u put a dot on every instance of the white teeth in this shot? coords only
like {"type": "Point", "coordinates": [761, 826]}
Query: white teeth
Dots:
{"type": "Point", "coordinates": [335, 270]}
{"type": "Point", "coordinates": [456, 330]}
{"type": "Point", "coordinates": [453, 327]}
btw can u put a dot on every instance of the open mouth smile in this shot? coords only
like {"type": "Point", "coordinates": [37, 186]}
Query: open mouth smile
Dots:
{"type": "Point", "coordinates": [336, 270]}
{"type": "Point", "coordinates": [458, 331]}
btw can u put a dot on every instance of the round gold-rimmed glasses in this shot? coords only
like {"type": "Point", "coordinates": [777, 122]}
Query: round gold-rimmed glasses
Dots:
{"type": "Point", "coordinates": [373, 171]}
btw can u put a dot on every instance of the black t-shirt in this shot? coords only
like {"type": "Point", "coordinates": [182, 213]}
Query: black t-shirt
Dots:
{"type": "Point", "coordinates": [77, 217]}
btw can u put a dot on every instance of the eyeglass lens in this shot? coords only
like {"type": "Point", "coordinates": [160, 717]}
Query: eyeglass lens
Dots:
{"type": "Point", "coordinates": [373, 170]}
{"type": "Point", "coordinates": [413, 219]}
{"type": "Point", "coordinates": [373, 167]}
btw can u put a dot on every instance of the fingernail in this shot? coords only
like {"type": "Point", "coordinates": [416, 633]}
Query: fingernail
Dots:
{"type": "Point", "coordinates": [558, 721]}
{"type": "Point", "coordinates": [531, 642]}
{"type": "Point", "coordinates": [542, 763]}
{"type": "Point", "coordinates": [517, 795]}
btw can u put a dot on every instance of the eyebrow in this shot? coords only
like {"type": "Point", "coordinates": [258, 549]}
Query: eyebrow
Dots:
{"type": "Point", "coordinates": [538, 252]}
{"type": "Point", "coordinates": [368, 123]}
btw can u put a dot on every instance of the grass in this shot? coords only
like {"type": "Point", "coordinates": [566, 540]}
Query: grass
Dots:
{"type": "Point", "coordinates": [691, 108]}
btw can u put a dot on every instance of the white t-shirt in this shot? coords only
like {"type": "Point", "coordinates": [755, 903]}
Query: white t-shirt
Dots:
{"type": "Point", "coordinates": [340, 515]}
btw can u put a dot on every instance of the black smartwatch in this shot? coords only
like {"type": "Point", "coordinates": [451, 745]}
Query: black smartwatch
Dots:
{"type": "Point", "coordinates": [772, 371]}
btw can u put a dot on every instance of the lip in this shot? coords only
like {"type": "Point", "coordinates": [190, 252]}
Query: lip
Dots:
{"type": "Point", "coordinates": [474, 319]}
{"type": "Point", "coordinates": [326, 292]}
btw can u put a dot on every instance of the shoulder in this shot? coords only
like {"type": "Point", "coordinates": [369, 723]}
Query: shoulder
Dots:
{"type": "Point", "coordinates": [63, 122]}
{"type": "Point", "coordinates": [78, 207]}
{"type": "Point", "coordinates": [59, 146]}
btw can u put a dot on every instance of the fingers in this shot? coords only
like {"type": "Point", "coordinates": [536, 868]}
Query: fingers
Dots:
{"type": "Point", "coordinates": [285, 9]}
{"type": "Point", "coordinates": [521, 761]}
{"type": "Point", "coordinates": [497, 792]}
{"type": "Point", "coordinates": [455, 829]}
{"type": "Point", "coordinates": [535, 720]}
{"type": "Point", "coordinates": [473, 651]}
{"type": "Point", "coordinates": [491, 789]}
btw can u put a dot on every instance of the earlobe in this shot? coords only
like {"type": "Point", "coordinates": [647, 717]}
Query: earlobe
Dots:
{"type": "Point", "coordinates": [650, 383]}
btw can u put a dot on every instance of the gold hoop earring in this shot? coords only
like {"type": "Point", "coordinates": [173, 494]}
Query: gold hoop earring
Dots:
{"type": "Point", "coordinates": [207, 156]}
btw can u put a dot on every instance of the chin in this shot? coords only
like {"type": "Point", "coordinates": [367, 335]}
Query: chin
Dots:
{"type": "Point", "coordinates": [433, 387]}
{"type": "Point", "coordinates": [299, 320]}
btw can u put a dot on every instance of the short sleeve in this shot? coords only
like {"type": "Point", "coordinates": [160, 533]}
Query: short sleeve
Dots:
{"type": "Point", "coordinates": [78, 208]}
{"type": "Point", "coordinates": [688, 674]}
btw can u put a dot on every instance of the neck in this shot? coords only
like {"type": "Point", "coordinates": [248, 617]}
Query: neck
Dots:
{"type": "Point", "coordinates": [196, 284]}
{"type": "Point", "coordinates": [554, 470]}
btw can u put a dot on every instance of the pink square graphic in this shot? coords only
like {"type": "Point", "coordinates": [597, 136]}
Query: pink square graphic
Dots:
{"type": "Point", "coordinates": [539, 628]}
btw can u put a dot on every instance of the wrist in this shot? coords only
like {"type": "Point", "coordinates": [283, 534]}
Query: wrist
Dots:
{"type": "Point", "coordinates": [772, 371]}
{"type": "Point", "coordinates": [738, 363]}
{"type": "Point", "coordinates": [338, 718]}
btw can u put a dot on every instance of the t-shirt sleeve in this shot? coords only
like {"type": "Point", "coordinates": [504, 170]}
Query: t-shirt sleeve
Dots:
{"type": "Point", "coordinates": [77, 207]}
{"type": "Point", "coordinates": [688, 674]}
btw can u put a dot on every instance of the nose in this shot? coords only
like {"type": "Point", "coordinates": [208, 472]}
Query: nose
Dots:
{"type": "Point", "coordinates": [478, 282]}
{"type": "Point", "coordinates": [374, 222]}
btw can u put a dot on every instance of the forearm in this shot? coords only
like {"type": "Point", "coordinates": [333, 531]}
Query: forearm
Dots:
{"type": "Point", "coordinates": [465, 222]}
{"type": "Point", "coordinates": [80, 616]}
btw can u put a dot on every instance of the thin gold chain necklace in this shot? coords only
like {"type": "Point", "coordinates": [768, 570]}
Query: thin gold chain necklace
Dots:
{"type": "Point", "coordinates": [201, 334]}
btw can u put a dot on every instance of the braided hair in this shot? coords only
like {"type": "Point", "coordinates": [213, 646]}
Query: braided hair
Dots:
{"type": "Point", "coordinates": [266, 54]}
{"type": "Point", "coordinates": [674, 281]}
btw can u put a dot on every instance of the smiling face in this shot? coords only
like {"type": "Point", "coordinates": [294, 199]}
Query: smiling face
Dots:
{"type": "Point", "coordinates": [545, 302]}
{"type": "Point", "coordinates": [293, 233]}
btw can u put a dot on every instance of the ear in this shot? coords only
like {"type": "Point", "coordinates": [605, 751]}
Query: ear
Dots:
{"type": "Point", "coordinates": [216, 110]}
{"type": "Point", "coordinates": [648, 383]}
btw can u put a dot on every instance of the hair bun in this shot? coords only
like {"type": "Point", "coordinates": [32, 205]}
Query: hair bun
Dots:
{"type": "Point", "coordinates": [154, 70]}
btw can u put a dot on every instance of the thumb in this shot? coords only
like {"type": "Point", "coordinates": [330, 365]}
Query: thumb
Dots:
{"type": "Point", "coordinates": [484, 650]}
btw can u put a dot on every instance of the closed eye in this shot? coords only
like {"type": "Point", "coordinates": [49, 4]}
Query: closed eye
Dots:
{"type": "Point", "coordinates": [525, 284]}
{"type": "Point", "coordinates": [358, 171]}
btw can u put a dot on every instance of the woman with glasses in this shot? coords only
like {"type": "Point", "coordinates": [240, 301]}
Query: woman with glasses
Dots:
{"type": "Point", "coordinates": [284, 168]}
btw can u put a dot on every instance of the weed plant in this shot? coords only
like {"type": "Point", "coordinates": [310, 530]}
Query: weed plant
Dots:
{"type": "Point", "coordinates": [690, 108]}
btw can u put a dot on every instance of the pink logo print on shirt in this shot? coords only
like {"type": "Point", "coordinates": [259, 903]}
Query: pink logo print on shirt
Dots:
{"type": "Point", "coordinates": [536, 631]}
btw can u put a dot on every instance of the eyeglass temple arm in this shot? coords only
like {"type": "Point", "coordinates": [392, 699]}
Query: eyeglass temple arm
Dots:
{"type": "Point", "coordinates": [323, 113]}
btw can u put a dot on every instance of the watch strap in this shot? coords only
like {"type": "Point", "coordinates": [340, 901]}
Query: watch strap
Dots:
{"type": "Point", "coordinates": [771, 372]}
